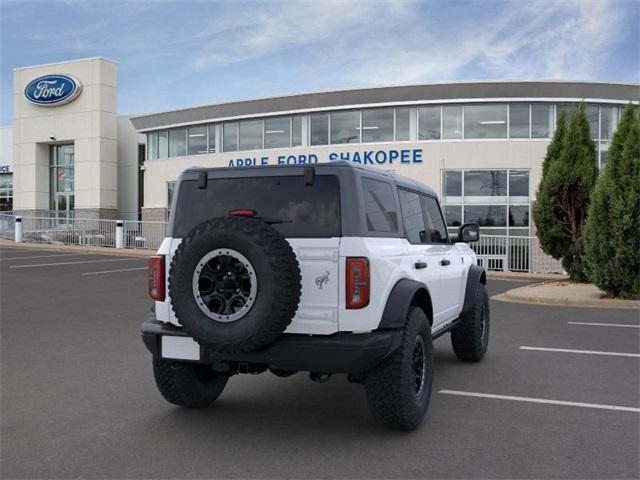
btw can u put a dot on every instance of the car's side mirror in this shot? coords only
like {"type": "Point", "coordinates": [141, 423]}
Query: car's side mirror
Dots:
{"type": "Point", "coordinates": [423, 236]}
{"type": "Point", "coordinates": [469, 232]}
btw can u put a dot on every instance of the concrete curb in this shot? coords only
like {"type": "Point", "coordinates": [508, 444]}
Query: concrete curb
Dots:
{"type": "Point", "coordinates": [543, 293]}
{"type": "Point", "coordinates": [525, 277]}
{"type": "Point", "coordinates": [124, 252]}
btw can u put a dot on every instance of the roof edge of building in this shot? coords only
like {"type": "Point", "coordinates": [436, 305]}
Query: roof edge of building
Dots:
{"type": "Point", "coordinates": [392, 94]}
{"type": "Point", "coordinates": [66, 61]}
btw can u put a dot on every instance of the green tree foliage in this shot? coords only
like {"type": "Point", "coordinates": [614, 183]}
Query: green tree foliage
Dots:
{"type": "Point", "coordinates": [563, 197]}
{"type": "Point", "coordinates": [548, 230]}
{"type": "Point", "coordinates": [612, 233]}
{"type": "Point", "coordinates": [555, 147]}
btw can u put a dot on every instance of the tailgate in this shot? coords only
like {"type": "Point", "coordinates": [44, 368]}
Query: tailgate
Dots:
{"type": "Point", "coordinates": [318, 309]}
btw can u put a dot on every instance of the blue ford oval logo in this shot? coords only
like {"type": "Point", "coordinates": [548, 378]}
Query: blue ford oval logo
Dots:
{"type": "Point", "coordinates": [52, 90]}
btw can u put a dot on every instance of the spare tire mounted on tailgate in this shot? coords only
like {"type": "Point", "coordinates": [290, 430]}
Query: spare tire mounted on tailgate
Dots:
{"type": "Point", "coordinates": [234, 283]}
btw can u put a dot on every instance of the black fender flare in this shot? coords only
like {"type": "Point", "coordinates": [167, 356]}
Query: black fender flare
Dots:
{"type": "Point", "coordinates": [475, 277]}
{"type": "Point", "coordinates": [403, 294]}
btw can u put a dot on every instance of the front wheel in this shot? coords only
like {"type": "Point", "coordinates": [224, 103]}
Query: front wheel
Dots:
{"type": "Point", "coordinates": [399, 389]}
{"type": "Point", "coordinates": [188, 384]}
{"type": "Point", "coordinates": [470, 338]}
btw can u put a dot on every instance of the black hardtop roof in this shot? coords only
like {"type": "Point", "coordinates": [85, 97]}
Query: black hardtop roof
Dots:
{"type": "Point", "coordinates": [400, 180]}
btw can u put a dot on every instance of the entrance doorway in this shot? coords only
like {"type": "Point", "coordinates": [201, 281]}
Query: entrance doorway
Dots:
{"type": "Point", "coordinates": [61, 183]}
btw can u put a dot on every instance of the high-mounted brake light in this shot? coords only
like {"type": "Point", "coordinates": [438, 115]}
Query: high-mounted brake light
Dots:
{"type": "Point", "coordinates": [156, 277]}
{"type": "Point", "coordinates": [243, 212]}
{"type": "Point", "coordinates": [358, 282]}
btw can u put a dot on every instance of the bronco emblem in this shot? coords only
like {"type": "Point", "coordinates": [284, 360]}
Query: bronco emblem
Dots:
{"type": "Point", "coordinates": [322, 279]}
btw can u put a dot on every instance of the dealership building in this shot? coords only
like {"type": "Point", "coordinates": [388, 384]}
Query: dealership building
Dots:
{"type": "Point", "coordinates": [479, 144]}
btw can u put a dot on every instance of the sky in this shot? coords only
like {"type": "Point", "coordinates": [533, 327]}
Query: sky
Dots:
{"type": "Point", "coordinates": [176, 54]}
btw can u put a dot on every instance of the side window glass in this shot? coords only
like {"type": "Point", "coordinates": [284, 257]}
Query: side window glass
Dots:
{"type": "Point", "coordinates": [412, 216]}
{"type": "Point", "coordinates": [380, 207]}
{"type": "Point", "coordinates": [436, 227]}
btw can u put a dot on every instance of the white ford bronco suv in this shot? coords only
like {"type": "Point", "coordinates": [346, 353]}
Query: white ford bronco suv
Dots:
{"type": "Point", "coordinates": [325, 268]}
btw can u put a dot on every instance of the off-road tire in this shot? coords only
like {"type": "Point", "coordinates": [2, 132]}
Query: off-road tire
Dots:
{"type": "Point", "coordinates": [470, 338]}
{"type": "Point", "coordinates": [278, 279]}
{"type": "Point", "coordinates": [188, 384]}
{"type": "Point", "coordinates": [390, 386]}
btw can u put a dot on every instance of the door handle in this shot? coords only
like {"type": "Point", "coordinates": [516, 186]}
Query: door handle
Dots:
{"type": "Point", "coordinates": [445, 262]}
{"type": "Point", "coordinates": [419, 265]}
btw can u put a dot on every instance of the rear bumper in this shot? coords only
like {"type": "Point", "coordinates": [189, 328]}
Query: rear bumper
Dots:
{"type": "Point", "coordinates": [338, 353]}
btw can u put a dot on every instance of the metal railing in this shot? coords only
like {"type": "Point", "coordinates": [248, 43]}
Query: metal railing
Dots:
{"type": "Point", "coordinates": [69, 231]}
{"type": "Point", "coordinates": [516, 254]}
{"type": "Point", "coordinates": [7, 226]}
{"type": "Point", "coordinates": [95, 232]}
{"type": "Point", "coordinates": [146, 235]}
{"type": "Point", "coordinates": [495, 252]}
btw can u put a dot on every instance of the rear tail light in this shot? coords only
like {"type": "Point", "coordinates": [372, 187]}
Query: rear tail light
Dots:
{"type": "Point", "coordinates": [358, 282]}
{"type": "Point", "coordinates": [156, 277]}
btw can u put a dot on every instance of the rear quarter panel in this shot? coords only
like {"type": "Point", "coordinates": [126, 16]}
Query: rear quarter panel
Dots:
{"type": "Point", "coordinates": [389, 261]}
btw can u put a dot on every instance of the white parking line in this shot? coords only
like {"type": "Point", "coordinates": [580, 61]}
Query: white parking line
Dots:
{"type": "Point", "coordinates": [605, 324]}
{"type": "Point", "coordinates": [42, 256]}
{"type": "Point", "coordinates": [541, 400]}
{"type": "Point", "coordinates": [115, 271]}
{"type": "Point", "coordinates": [76, 263]}
{"type": "Point", "coordinates": [590, 352]}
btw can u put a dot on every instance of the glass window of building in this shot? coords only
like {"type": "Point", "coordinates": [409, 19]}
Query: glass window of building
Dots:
{"type": "Point", "coordinates": [592, 116]}
{"type": "Point", "coordinates": [453, 215]}
{"type": "Point", "coordinates": [171, 187]}
{"type": "Point", "coordinates": [6, 192]}
{"type": "Point", "coordinates": [296, 131]}
{"type": "Point", "coordinates": [437, 232]}
{"type": "Point", "coordinates": [519, 120]}
{"type": "Point", "coordinates": [320, 129]}
{"type": "Point", "coordinates": [412, 216]}
{"type": "Point", "coordinates": [251, 135]}
{"type": "Point", "coordinates": [277, 132]}
{"type": "Point", "coordinates": [485, 200]}
{"type": "Point", "coordinates": [484, 186]}
{"type": "Point", "coordinates": [212, 138]}
{"type": "Point", "coordinates": [429, 123]}
{"type": "Point", "coordinates": [519, 186]}
{"type": "Point", "coordinates": [568, 109]}
{"type": "Point", "coordinates": [604, 153]}
{"type": "Point", "coordinates": [452, 121]}
{"type": "Point", "coordinates": [163, 144]}
{"type": "Point", "coordinates": [377, 125]}
{"type": "Point", "coordinates": [345, 127]}
{"type": "Point", "coordinates": [380, 207]}
{"type": "Point", "coordinates": [452, 185]}
{"type": "Point", "coordinates": [519, 216]}
{"type": "Point", "coordinates": [403, 124]}
{"type": "Point", "coordinates": [62, 175]}
{"type": "Point", "coordinates": [178, 142]}
{"type": "Point", "coordinates": [486, 215]}
{"type": "Point", "coordinates": [230, 137]}
{"type": "Point", "coordinates": [152, 146]}
{"type": "Point", "coordinates": [541, 120]}
{"type": "Point", "coordinates": [608, 122]}
{"type": "Point", "coordinates": [197, 140]}
{"type": "Point", "coordinates": [485, 121]}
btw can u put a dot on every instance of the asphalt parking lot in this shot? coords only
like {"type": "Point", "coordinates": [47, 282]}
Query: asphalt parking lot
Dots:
{"type": "Point", "coordinates": [78, 398]}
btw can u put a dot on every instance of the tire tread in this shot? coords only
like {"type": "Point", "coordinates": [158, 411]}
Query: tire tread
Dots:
{"type": "Point", "coordinates": [178, 384]}
{"type": "Point", "coordinates": [389, 396]}
{"type": "Point", "coordinates": [466, 337]}
{"type": "Point", "coordinates": [282, 262]}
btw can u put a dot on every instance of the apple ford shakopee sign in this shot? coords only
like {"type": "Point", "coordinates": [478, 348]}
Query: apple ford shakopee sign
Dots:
{"type": "Point", "coordinates": [53, 90]}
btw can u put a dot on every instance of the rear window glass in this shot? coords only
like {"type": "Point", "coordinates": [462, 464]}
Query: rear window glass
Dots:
{"type": "Point", "coordinates": [306, 210]}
